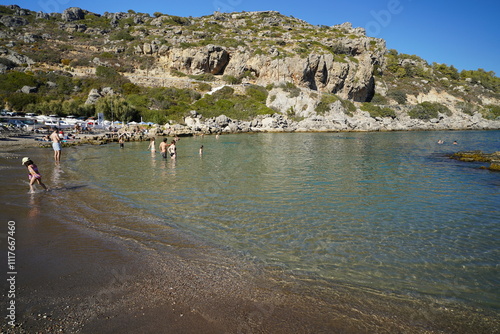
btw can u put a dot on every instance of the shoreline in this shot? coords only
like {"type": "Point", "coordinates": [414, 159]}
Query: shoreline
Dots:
{"type": "Point", "coordinates": [31, 140]}
{"type": "Point", "coordinates": [188, 288]}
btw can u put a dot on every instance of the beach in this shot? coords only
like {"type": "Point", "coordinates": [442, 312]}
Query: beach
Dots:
{"type": "Point", "coordinates": [81, 269]}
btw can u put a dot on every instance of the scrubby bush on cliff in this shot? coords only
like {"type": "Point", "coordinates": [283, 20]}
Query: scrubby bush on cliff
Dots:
{"type": "Point", "coordinates": [466, 108]}
{"type": "Point", "coordinates": [486, 79]}
{"type": "Point", "coordinates": [12, 81]}
{"type": "Point", "coordinates": [492, 111]}
{"type": "Point", "coordinates": [397, 95]}
{"type": "Point", "coordinates": [325, 103]}
{"type": "Point", "coordinates": [293, 91]}
{"type": "Point", "coordinates": [257, 93]}
{"type": "Point", "coordinates": [379, 99]}
{"type": "Point", "coordinates": [203, 77]}
{"type": "Point", "coordinates": [428, 110]}
{"type": "Point", "coordinates": [108, 76]}
{"type": "Point", "coordinates": [448, 71]}
{"type": "Point", "coordinates": [376, 111]}
{"type": "Point", "coordinates": [232, 80]}
{"type": "Point", "coordinates": [121, 35]}
{"type": "Point", "coordinates": [242, 107]}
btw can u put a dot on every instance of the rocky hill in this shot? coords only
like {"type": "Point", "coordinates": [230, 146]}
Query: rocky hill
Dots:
{"type": "Point", "coordinates": [165, 67]}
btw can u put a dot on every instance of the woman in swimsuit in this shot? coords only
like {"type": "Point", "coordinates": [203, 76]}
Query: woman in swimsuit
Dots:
{"type": "Point", "coordinates": [152, 145]}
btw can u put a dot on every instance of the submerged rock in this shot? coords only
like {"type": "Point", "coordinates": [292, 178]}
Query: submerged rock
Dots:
{"type": "Point", "coordinates": [479, 156]}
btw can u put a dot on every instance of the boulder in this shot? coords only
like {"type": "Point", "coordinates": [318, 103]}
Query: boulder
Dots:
{"type": "Point", "coordinates": [29, 89]}
{"type": "Point", "coordinates": [73, 14]}
{"type": "Point", "coordinates": [222, 120]}
{"type": "Point", "coordinates": [94, 95]}
{"type": "Point", "coordinates": [13, 21]}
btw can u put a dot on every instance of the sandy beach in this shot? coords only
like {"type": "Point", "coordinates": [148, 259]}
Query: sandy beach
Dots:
{"type": "Point", "coordinates": [74, 278]}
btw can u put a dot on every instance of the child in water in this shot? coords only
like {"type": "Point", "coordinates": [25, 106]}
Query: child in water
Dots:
{"type": "Point", "coordinates": [34, 175]}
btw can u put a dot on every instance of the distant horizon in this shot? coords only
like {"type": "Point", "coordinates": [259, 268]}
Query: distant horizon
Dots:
{"type": "Point", "coordinates": [462, 35]}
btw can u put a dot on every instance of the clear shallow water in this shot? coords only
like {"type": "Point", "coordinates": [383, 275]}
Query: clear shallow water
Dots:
{"type": "Point", "coordinates": [384, 211]}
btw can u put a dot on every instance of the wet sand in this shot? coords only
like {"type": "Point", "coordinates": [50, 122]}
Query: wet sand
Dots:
{"type": "Point", "coordinates": [75, 276]}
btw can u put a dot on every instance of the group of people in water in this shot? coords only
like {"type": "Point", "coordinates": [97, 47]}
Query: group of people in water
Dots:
{"type": "Point", "coordinates": [34, 176]}
{"type": "Point", "coordinates": [166, 149]}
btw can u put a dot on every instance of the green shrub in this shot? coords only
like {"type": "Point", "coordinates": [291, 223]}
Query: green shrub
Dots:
{"type": "Point", "coordinates": [325, 103]}
{"type": "Point", "coordinates": [106, 72]}
{"type": "Point", "coordinates": [428, 110]}
{"type": "Point", "coordinates": [231, 79]}
{"type": "Point", "coordinates": [466, 108]}
{"type": "Point", "coordinates": [224, 101]}
{"type": "Point", "coordinates": [203, 77]}
{"type": "Point", "coordinates": [493, 111]}
{"type": "Point", "coordinates": [13, 81]}
{"type": "Point", "coordinates": [448, 71]}
{"type": "Point", "coordinates": [397, 95]}
{"type": "Point", "coordinates": [203, 87]}
{"type": "Point", "coordinates": [19, 101]}
{"type": "Point", "coordinates": [257, 93]}
{"type": "Point", "coordinates": [177, 73]}
{"type": "Point", "coordinates": [224, 93]}
{"type": "Point", "coordinates": [486, 79]}
{"type": "Point", "coordinates": [348, 106]}
{"type": "Point", "coordinates": [290, 88]}
{"type": "Point", "coordinates": [121, 35]}
{"type": "Point", "coordinates": [376, 111]}
{"type": "Point", "coordinates": [378, 99]}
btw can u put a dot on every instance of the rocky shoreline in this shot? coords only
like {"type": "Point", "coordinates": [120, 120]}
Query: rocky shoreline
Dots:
{"type": "Point", "coordinates": [196, 125]}
{"type": "Point", "coordinates": [335, 120]}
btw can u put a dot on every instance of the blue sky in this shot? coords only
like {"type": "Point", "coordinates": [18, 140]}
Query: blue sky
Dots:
{"type": "Point", "coordinates": [459, 33]}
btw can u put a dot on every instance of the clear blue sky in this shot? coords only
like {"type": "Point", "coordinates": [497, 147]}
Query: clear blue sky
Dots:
{"type": "Point", "coordinates": [461, 33]}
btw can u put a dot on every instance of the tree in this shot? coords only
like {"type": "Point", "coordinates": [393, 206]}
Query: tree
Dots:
{"type": "Point", "coordinates": [114, 107]}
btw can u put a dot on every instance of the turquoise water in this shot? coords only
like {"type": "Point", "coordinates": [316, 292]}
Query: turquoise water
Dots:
{"type": "Point", "coordinates": [385, 211]}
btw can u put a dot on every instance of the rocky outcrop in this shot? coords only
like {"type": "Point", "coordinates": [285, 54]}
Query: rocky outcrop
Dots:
{"type": "Point", "coordinates": [13, 21]}
{"type": "Point", "coordinates": [15, 57]}
{"type": "Point", "coordinates": [96, 94]}
{"type": "Point", "coordinates": [210, 59]}
{"type": "Point", "coordinates": [73, 14]}
{"type": "Point", "coordinates": [350, 79]}
{"type": "Point", "coordinates": [335, 120]}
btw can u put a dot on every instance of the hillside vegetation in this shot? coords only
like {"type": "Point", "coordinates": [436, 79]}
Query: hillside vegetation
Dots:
{"type": "Point", "coordinates": [161, 67]}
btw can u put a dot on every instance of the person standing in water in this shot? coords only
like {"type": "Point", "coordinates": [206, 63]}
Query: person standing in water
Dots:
{"type": "Point", "coordinates": [34, 174]}
{"type": "Point", "coordinates": [152, 145]}
{"type": "Point", "coordinates": [172, 150]}
{"type": "Point", "coordinates": [163, 148]}
{"type": "Point", "coordinates": [56, 145]}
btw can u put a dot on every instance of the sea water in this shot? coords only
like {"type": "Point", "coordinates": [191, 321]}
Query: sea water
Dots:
{"type": "Point", "coordinates": [386, 211]}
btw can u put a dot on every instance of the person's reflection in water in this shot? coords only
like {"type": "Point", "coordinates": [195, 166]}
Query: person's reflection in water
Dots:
{"type": "Point", "coordinates": [56, 175]}
{"type": "Point", "coordinates": [34, 211]}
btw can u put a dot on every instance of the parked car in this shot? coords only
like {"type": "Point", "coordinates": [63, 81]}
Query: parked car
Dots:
{"type": "Point", "coordinates": [17, 123]}
{"type": "Point", "coordinates": [32, 124]}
